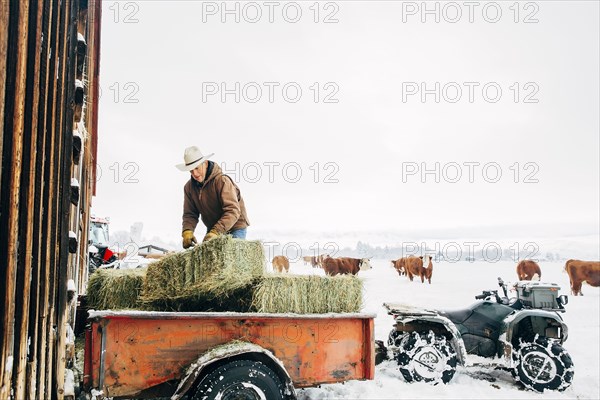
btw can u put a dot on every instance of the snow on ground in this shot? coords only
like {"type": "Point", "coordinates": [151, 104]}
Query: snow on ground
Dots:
{"type": "Point", "coordinates": [454, 286]}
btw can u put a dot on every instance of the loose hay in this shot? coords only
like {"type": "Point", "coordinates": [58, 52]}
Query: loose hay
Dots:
{"type": "Point", "coordinates": [115, 289]}
{"type": "Point", "coordinates": [215, 276]}
{"type": "Point", "coordinates": [308, 294]}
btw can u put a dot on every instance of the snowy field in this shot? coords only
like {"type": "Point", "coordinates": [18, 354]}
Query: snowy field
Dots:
{"type": "Point", "coordinates": [454, 286]}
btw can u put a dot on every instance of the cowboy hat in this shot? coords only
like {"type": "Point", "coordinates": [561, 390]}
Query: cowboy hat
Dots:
{"type": "Point", "coordinates": [192, 157]}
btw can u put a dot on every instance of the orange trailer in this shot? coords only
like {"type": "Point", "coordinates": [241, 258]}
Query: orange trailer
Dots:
{"type": "Point", "coordinates": [223, 355]}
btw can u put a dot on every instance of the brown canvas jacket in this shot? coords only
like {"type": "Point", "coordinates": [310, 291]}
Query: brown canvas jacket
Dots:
{"type": "Point", "coordinates": [218, 202]}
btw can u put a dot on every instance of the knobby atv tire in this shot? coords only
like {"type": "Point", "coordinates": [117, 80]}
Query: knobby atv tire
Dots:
{"type": "Point", "coordinates": [397, 339]}
{"type": "Point", "coordinates": [381, 352]}
{"type": "Point", "coordinates": [427, 357]}
{"type": "Point", "coordinates": [543, 364]}
{"type": "Point", "coordinates": [240, 380]}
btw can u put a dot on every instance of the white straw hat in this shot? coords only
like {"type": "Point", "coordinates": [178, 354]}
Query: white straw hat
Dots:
{"type": "Point", "coordinates": [192, 157]}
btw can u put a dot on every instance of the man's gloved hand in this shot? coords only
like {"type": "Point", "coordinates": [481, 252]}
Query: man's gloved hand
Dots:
{"type": "Point", "coordinates": [188, 239]}
{"type": "Point", "coordinates": [210, 235]}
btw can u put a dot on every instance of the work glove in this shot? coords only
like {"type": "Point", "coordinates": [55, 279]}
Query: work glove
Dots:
{"type": "Point", "coordinates": [188, 238]}
{"type": "Point", "coordinates": [210, 235]}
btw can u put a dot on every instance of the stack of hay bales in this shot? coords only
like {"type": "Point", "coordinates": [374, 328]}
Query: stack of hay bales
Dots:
{"type": "Point", "coordinates": [223, 274]}
{"type": "Point", "coordinates": [308, 294]}
{"type": "Point", "coordinates": [115, 289]}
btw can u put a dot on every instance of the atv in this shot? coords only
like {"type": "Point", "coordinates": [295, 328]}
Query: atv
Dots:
{"type": "Point", "coordinates": [523, 335]}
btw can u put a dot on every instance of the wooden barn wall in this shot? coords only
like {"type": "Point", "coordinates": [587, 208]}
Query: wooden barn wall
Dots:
{"type": "Point", "coordinates": [40, 119]}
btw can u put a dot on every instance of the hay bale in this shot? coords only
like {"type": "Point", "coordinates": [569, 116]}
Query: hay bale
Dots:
{"type": "Point", "coordinates": [167, 277]}
{"type": "Point", "coordinates": [225, 264]}
{"type": "Point", "coordinates": [115, 289]}
{"type": "Point", "coordinates": [308, 294]}
{"type": "Point", "coordinates": [215, 276]}
{"type": "Point", "coordinates": [238, 300]}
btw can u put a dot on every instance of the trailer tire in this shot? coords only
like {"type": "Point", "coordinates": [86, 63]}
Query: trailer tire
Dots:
{"type": "Point", "coordinates": [240, 379]}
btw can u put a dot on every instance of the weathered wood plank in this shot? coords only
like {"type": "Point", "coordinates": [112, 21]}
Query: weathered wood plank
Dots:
{"type": "Point", "coordinates": [47, 308]}
{"type": "Point", "coordinates": [14, 177]}
{"type": "Point", "coordinates": [4, 13]}
{"type": "Point", "coordinates": [28, 184]}
{"type": "Point", "coordinates": [5, 17]}
{"type": "Point", "coordinates": [94, 74]}
{"type": "Point", "coordinates": [66, 79]}
{"type": "Point", "coordinates": [37, 328]}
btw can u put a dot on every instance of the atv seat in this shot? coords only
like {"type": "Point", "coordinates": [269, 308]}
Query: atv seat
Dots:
{"type": "Point", "coordinates": [457, 316]}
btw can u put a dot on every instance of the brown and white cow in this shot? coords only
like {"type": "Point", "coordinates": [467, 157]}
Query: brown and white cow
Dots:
{"type": "Point", "coordinates": [281, 263]}
{"type": "Point", "coordinates": [414, 267]}
{"type": "Point", "coordinates": [321, 258]}
{"type": "Point", "coordinates": [315, 261]}
{"type": "Point", "coordinates": [399, 266]}
{"type": "Point", "coordinates": [428, 271]}
{"type": "Point", "coordinates": [345, 265]}
{"type": "Point", "coordinates": [582, 271]}
{"type": "Point", "coordinates": [308, 260]}
{"type": "Point", "coordinates": [528, 270]}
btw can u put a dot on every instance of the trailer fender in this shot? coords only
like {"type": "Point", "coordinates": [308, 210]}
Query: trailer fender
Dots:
{"type": "Point", "coordinates": [229, 350]}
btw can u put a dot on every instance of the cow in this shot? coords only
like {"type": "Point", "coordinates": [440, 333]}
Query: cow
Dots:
{"type": "Point", "coordinates": [528, 270]}
{"type": "Point", "coordinates": [399, 266]}
{"type": "Point", "coordinates": [345, 265]}
{"type": "Point", "coordinates": [312, 260]}
{"type": "Point", "coordinates": [414, 267]}
{"type": "Point", "coordinates": [582, 271]}
{"type": "Point", "coordinates": [321, 258]}
{"type": "Point", "coordinates": [315, 261]}
{"type": "Point", "coordinates": [281, 263]}
{"type": "Point", "coordinates": [428, 272]}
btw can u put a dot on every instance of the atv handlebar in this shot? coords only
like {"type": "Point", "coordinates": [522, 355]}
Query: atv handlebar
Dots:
{"type": "Point", "coordinates": [488, 293]}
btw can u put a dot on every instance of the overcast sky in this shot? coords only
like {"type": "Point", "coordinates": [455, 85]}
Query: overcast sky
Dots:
{"type": "Point", "coordinates": [332, 125]}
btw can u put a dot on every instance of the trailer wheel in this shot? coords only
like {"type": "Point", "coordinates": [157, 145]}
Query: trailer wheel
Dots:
{"type": "Point", "coordinates": [427, 357]}
{"type": "Point", "coordinates": [240, 380]}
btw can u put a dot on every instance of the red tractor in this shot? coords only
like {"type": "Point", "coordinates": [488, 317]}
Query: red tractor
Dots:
{"type": "Point", "coordinates": [100, 255]}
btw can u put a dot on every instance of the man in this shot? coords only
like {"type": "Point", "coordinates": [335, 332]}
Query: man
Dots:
{"type": "Point", "coordinates": [213, 196]}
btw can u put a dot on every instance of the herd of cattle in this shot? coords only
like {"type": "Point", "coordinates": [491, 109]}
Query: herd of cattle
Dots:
{"type": "Point", "coordinates": [422, 267]}
{"type": "Point", "coordinates": [331, 266]}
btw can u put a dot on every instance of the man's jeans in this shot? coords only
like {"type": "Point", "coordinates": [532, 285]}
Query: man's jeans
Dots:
{"type": "Point", "coordinates": [239, 233]}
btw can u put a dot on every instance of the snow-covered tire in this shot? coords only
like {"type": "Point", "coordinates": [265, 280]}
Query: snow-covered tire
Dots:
{"type": "Point", "coordinates": [543, 364]}
{"type": "Point", "coordinates": [397, 338]}
{"type": "Point", "coordinates": [427, 357]}
{"type": "Point", "coordinates": [240, 379]}
{"type": "Point", "coordinates": [381, 352]}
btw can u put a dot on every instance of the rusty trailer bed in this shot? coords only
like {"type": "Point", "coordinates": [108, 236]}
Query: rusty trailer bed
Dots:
{"type": "Point", "coordinates": [129, 352]}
